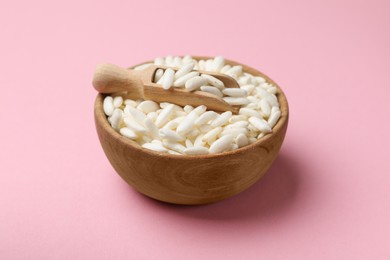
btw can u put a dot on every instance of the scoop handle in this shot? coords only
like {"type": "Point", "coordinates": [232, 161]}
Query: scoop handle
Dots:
{"type": "Point", "coordinates": [109, 78]}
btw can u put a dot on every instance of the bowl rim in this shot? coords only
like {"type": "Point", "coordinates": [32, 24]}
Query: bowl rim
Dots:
{"type": "Point", "coordinates": [101, 118]}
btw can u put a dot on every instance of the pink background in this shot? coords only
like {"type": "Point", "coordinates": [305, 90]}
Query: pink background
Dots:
{"type": "Point", "coordinates": [326, 196]}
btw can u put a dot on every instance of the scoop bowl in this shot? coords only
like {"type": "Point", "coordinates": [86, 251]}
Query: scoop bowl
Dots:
{"type": "Point", "coordinates": [191, 180]}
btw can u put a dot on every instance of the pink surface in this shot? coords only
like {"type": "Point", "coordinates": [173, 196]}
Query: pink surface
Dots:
{"type": "Point", "coordinates": [326, 196]}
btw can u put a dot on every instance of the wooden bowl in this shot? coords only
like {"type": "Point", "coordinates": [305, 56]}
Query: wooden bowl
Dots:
{"type": "Point", "coordinates": [191, 180]}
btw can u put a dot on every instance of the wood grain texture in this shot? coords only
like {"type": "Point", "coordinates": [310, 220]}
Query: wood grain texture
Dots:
{"type": "Point", "coordinates": [109, 78]}
{"type": "Point", "coordinates": [191, 180]}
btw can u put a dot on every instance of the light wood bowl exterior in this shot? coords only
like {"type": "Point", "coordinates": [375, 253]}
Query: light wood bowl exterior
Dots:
{"type": "Point", "coordinates": [191, 180]}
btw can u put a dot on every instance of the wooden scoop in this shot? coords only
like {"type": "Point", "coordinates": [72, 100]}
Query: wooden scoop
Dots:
{"type": "Point", "coordinates": [110, 78]}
